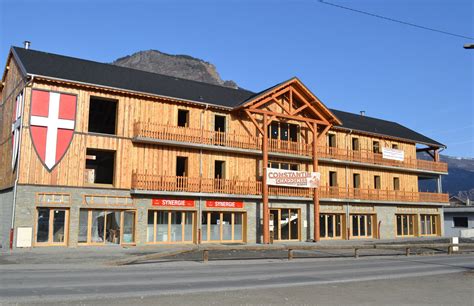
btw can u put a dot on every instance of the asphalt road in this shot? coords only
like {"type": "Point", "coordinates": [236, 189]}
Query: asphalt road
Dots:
{"type": "Point", "coordinates": [154, 282]}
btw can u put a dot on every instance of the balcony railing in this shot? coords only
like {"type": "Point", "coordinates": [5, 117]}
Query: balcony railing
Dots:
{"type": "Point", "coordinates": [152, 182]}
{"type": "Point", "coordinates": [241, 141]}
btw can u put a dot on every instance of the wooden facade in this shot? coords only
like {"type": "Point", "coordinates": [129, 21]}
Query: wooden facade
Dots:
{"type": "Point", "coordinates": [148, 142]}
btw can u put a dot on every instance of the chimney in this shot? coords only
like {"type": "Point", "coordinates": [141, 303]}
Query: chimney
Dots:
{"type": "Point", "coordinates": [362, 113]}
{"type": "Point", "coordinates": [26, 44]}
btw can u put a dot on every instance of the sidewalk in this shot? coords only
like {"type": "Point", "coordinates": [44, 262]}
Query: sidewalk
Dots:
{"type": "Point", "coordinates": [100, 255]}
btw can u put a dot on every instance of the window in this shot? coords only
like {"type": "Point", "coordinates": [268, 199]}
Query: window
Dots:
{"type": "Point", "coordinates": [283, 131]}
{"type": "Point", "coordinates": [183, 117]}
{"type": "Point", "coordinates": [405, 225]}
{"type": "Point", "coordinates": [330, 226]}
{"type": "Point", "coordinates": [361, 226]}
{"type": "Point", "coordinates": [223, 226]}
{"type": "Point", "coordinates": [284, 166]}
{"type": "Point", "coordinates": [460, 222]}
{"type": "Point", "coordinates": [376, 147]}
{"type": "Point", "coordinates": [102, 116]}
{"type": "Point", "coordinates": [97, 226]}
{"type": "Point", "coordinates": [51, 226]}
{"type": "Point", "coordinates": [395, 146]}
{"type": "Point", "coordinates": [181, 166]}
{"type": "Point", "coordinates": [377, 184]}
{"type": "Point", "coordinates": [396, 183]}
{"type": "Point", "coordinates": [332, 140]}
{"type": "Point", "coordinates": [286, 224]}
{"type": "Point", "coordinates": [219, 123]}
{"type": "Point", "coordinates": [99, 166]}
{"type": "Point", "coordinates": [170, 226]}
{"type": "Point", "coordinates": [429, 225]}
{"type": "Point", "coordinates": [332, 179]}
{"type": "Point", "coordinates": [219, 169]}
{"type": "Point", "coordinates": [356, 180]}
{"type": "Point", "coordinates": [355, 144]}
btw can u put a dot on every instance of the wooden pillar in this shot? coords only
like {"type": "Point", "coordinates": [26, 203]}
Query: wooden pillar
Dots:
{"type": "Point", "coordinates": [266, 215]}
{"type": "Point", "coordinates": [315, 191]}
{"type": "Point", "coordinates": [436, 155]}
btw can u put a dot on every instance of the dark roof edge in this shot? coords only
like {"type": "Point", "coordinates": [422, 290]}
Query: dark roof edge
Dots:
{"type": "Point", "coordinates": [394, 137]}
{"type": "Point", "coordinates": [131, 91]}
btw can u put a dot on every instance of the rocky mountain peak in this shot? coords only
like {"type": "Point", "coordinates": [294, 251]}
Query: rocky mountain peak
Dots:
{"type": "Point", "coordinates": [181, 66]}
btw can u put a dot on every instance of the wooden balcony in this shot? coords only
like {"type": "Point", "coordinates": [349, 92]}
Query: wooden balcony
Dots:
{"type": "Point", "coordinates": [240, 141]}
{"type": "Point", "coordinates": [153, 182]}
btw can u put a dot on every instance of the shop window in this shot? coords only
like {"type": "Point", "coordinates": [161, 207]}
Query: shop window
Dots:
{"type": "Point", "coordinates": [429, 225]}
{"type": "Point", "coordinates": [460, 222]}
{"type": "Point", "coordinates": [376, 147]}
{"type": "Point", "coordinates": [223, 226]}
{"type": "Point", "coordinates": [356, 180]}
{"type": "Point", "coordinates": [181, 166]}
{"type": "Point", "coordinates": [183, 118]}
{"type": "Point", "coordinates": [332, 178]}
{"type": "Point", "coordinates": [99, 166]}
{"type": "Point", "coordinates": [361, 226]}
{"type": "Point", "coordinates": [51, 226]}
{"type": "Point", "coordinates": [405, 225]}
{"type": "Point", "coordinates": [286, 224]}
{"type": "Point", "coordinates": [377, 183]}
{"type": "Point", "coordinates": [332, 140]}
{"type": "Point", "coordinates": [355, 144]}
{"type": "Point", "coordinates": [396, 183]}
{"type": "Point", "coordinates": [102, 116]}
{"type": "Point", "coordinates": [101, 227]}
{"type": "Point", "coordinates": [170, 226]}
{"type": "Point", "coordinates": [330, 226]}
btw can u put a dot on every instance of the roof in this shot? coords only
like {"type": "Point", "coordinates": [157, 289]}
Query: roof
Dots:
{"type": "Point", "coordinates": [108, 75]}
{"type": "Point", "coordinates": [372, 125]}
{"type": "Point", "coordinates": [79, 70]}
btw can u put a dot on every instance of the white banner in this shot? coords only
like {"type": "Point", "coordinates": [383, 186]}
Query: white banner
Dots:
{"type": "Point", "coordinates": [394, 154]}
{"type": "Point", "coordinates": [278, 177]}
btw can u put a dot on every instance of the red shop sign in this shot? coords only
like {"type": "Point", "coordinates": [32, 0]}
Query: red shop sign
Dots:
{"type": "Point", "coordinates": [172, 203]}
{"type": "Point", "coordinates": [224, 204]}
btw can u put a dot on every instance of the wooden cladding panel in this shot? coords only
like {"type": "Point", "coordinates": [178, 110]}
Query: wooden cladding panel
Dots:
{"type": "Point", "coordinates": [161, 160]}
{"type": "Point", "coordinates": [13, 85]}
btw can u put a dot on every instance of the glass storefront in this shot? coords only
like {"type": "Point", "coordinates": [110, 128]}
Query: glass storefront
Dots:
{"type": "Point", "coordinates": [330, 226]}
{"type": "Point", "coordinates": [222, 226]}
{"type": "Point", "coordinates": [100, 227]}
{"type": "Point", "coordinates": [286, 224]}
{"type": "Point", "coordinates": [51, 226]}
{"type": "Point", "coordinates": [170, 226]}
{"type": "Point", "coordinates": [362, 226]}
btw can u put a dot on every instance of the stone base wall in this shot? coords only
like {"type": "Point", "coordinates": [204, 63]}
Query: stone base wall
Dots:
{"type": "Point", "coordinates": [27, 204]}
{"type": "Point", "coordinates": [6, 208]}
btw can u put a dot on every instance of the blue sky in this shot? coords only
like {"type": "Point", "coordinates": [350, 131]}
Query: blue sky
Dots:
{"type": "Point", "coordinates": [352, 62]}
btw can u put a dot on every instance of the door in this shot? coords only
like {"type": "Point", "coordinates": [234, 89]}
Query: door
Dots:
{"type": "Point", "coordinates": [286, 224]}
{"type": "Point", "coordinates": [220, 129]}
{"type": "Point", "coordinates": [52, 226]}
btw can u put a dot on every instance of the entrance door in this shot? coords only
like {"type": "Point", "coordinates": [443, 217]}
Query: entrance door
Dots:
{"type": "Point", "coordinates": [52, 226]}
{"type": "Point", "coordinates": [286, 224]}
{"type": "Point", "coordinates": [220, 129]}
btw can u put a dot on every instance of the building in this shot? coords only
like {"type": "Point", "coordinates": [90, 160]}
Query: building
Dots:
{"type": "Point", "coordinates": [459, 218]}
{"type": "Point", "coordinates": [95, 154]}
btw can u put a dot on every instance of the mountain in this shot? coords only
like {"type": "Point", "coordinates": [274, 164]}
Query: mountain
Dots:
{"type": "Point", "coordinates": [181, 66]}
{"type": "Point", "coordinates": [460, 180]}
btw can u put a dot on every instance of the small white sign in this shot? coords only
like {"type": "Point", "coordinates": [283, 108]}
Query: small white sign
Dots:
{"type": "Point", "coordinates": [305, 223]}
{"type": "Point", "coordinates": [23, 237]}
{"type": "Point", "coordinates": [393, 154]}
{"type": "Point", "coordinates": [278, 177]}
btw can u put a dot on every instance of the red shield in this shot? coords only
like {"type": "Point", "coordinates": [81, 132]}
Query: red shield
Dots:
{"type": "Point", "coordinates": [52, 123]}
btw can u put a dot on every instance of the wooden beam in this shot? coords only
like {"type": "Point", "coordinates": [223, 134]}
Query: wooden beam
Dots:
{"type": "Point", "coordinates": [290, 98]}
{"type": "Point", "coordinates": [315, 190]}
{"type": "Point", "coordinates": [297, 118]}
{"type": "Point", "coordinates": [254, 121]}
{"type": "Point", "coordinates": [326, 129]}
{"type": "Point", "coordinates": [282, 106]}
{"type": "Point", "coordinates": [311, 107]}
{"type": "Point", "coordinates": [310, 126]}
{"type": "Point", "coordinates": [265, 210]}
{"type": "Point", "coordinates": [300, 109]}
{"type": "Point", "coordinates": [268, 99]}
